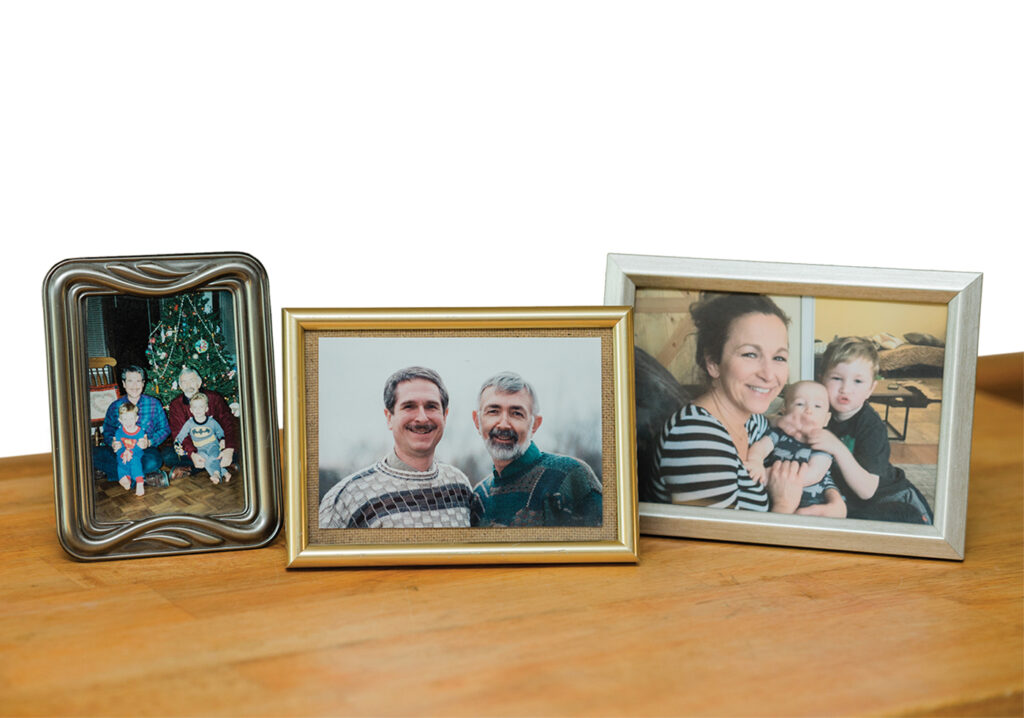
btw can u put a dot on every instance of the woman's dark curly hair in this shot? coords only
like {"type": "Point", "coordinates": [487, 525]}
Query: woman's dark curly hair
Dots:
{"type": "Point", "coordinates": [713, 316]}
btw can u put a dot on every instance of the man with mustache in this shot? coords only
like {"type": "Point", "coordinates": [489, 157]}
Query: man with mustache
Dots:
{"type": "Point", "coordinates": [407, 488]}
{"type": "Point", "coordinates": [528, 486]}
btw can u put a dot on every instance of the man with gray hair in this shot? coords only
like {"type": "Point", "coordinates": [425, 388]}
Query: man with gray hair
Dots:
{"type": "Point", "coordinates": [178, 414]}
{"type": "Point", "coordinates": [407, 488]}
{"type": "Point", "coordinates": [528, 487]}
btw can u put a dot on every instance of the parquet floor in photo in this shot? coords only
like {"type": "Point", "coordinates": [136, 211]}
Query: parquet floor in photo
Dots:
{"type": "Point", "coordinates": [195, 495]}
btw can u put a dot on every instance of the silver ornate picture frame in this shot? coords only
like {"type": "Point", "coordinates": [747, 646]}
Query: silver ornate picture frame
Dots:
{"type": "Point", "coordinates": [115, 324]}
{"type": "Point", "coordinates": [924, 386]}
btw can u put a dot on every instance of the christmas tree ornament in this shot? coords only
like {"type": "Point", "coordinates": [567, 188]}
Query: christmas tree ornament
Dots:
{"type": "Point", "coordinates": [186, 336]}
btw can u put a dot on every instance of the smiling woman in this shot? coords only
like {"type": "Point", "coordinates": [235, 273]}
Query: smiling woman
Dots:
{"type": "Point", "coordinates": [742, 351]}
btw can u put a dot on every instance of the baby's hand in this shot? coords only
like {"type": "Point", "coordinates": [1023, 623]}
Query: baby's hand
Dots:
{"type": "Point", "coordinates": [789, 424]}
{"type": "Point", "coordinates": [756, 471]}
{"type": "Point", "coordinates": [179, 449]}
{"type": "Point", "coordinates": [116, 445]}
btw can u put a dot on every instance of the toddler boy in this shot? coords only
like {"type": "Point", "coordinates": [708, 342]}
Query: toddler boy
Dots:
{"type": "Point", "coordinates": [859, 442]}
{"type": "Point", "coordinates": [207, 436]}
{"type": "Point", "coordinates": [126, 447]}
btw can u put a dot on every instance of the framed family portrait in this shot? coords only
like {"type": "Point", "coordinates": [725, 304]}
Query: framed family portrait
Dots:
{"type": "Point", "coordinates": [162, 404]}
{"type": "Point", "coordinates": [429, 436]}
{"type": "Point", "coordinates": [802, 405]}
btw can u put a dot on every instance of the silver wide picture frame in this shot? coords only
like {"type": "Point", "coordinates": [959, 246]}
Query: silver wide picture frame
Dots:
{"type": "Point", "coordinates": [135, 308]}
{"type": "Point", "coordinates": [925, 324]}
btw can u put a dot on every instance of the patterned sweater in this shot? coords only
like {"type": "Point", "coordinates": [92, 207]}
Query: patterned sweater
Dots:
{"type": "Point", "coordinates": [391, 494]}
{"type": "Point", "coordinates": [539, 489]}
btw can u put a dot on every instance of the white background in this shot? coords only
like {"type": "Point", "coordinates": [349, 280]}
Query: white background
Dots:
{"type": "Point", "coordinates": [480, 153]}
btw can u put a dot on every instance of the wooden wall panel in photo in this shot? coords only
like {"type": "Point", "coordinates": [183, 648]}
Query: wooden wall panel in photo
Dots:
{"type": "Point", "coordinates": [664, 329]}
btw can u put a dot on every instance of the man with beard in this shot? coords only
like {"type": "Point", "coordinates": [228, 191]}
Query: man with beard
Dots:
{"type": "Point", "coordinates": [178, 413]}
{"type": "Point", "coordinates": [528, 486]}
{"type": "Point", "coordinates": [407, 488]}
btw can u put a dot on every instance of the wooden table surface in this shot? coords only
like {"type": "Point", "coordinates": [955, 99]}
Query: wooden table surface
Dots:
{"type": "Point", "coordinates": [697, 628]}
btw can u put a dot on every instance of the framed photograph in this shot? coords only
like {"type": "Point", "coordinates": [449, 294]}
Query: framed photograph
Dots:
{"type": "Point", "coordinates": [802, 405]}
{"type": "Point", "coordinates": [162, 405]}
{"type": "Point", "coordinates": [430, 436]}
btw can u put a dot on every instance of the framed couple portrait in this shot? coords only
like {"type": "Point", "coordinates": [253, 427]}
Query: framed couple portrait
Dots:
{"type": "Point", "coordinates": [437, 436]}
{"type": "Point", "coordinates": [162, 405]}
{"type": "Point", "coordinates": [802, 405]}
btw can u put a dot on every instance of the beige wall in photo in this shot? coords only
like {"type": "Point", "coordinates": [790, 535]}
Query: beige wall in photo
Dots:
{"type": "Point", "coordinates": [859, 317]}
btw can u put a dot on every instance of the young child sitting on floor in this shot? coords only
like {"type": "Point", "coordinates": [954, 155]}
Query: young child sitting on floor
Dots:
{"type": "Point", "coordinates": [207, 435]}
{"type": "Point", "coordinates": [806, 408]}
{"type": "Point", "coordinates": [125, 446]}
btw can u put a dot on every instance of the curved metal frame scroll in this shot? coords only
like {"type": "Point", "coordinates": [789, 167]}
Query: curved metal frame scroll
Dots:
{"type": "Point", "coordinates": [65, 290]}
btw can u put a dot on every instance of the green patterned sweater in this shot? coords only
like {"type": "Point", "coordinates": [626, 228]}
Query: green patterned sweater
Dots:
{"type": "Point", "coordinates": [540, 489]}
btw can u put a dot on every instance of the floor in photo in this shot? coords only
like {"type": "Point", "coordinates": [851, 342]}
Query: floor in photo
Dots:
{"type": "Point", "coordinates": [918, 455]}
{"type": "Point", "coordinates": [195, 495]}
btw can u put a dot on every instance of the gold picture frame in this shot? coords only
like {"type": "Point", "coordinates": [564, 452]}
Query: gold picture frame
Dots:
{"type": "Point", "coordinates": [827, 302]}
{"type": "Point", "coordinates": [109, 305]}
{"type": "Point", "coordinates": [333, 357]}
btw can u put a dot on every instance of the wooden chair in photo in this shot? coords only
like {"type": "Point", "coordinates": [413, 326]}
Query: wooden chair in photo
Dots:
{"type": "Point", "coordinates": [103, 391]}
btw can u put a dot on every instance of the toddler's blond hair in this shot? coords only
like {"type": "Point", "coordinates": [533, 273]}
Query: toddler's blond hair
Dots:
{"type": "Point", "coordinates": [847, 349]}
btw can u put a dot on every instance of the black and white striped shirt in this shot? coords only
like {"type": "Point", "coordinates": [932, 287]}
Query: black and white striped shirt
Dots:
{"type": "Point", "coordinates": [698, 463]}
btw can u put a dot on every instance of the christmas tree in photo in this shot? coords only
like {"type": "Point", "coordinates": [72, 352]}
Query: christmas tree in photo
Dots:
{"type": "Point", "coordinates": [189, 334]}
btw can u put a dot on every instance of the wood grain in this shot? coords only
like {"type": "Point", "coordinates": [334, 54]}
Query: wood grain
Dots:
{"type": "Point", "coordinates": [698, 627]}
{"type": "Point", "coordinates": [1003, 375]}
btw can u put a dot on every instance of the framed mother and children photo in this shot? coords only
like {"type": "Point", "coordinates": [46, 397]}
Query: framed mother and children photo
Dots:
{"type": "Point", "coordinates": [802, 405]}
{"type": "Point", "coordinates": [162, 404]}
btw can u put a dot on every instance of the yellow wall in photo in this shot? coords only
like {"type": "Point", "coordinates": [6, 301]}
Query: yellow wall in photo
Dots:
{"type": "Point", "coordinates": [858, 317]}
